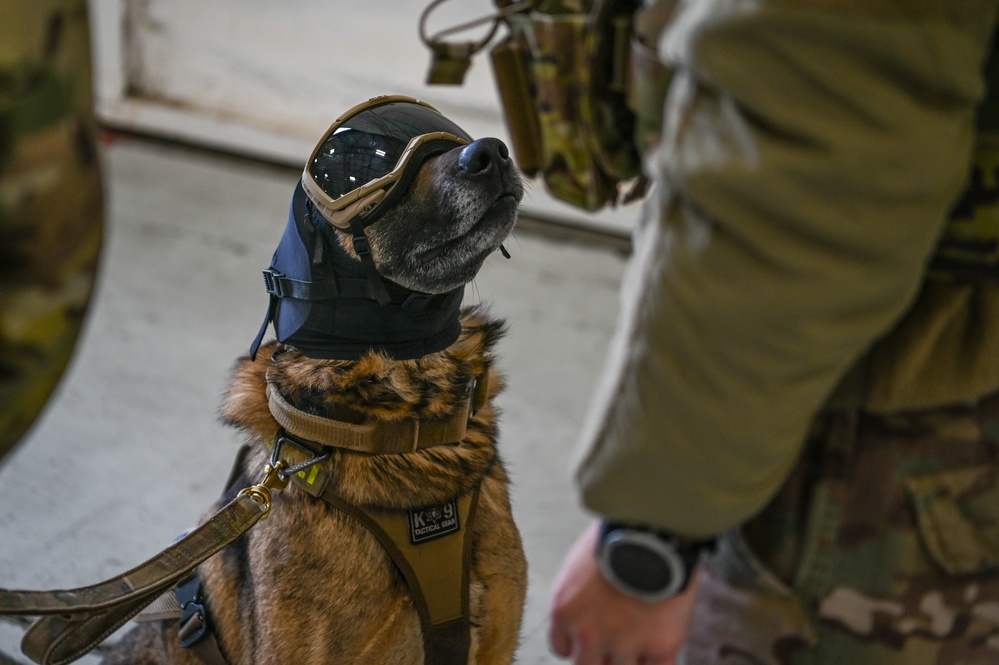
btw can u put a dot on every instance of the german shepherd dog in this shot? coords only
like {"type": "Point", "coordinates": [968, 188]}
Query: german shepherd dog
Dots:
{"type": "Point", "coordinates": [310, 584]}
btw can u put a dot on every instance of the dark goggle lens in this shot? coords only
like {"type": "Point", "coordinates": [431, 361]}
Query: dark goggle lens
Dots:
{"type": "Point", "coordinates": [368, 145]}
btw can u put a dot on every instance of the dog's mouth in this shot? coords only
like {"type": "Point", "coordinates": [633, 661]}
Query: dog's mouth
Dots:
{"type": "Point", "coordinates": [502, 208]}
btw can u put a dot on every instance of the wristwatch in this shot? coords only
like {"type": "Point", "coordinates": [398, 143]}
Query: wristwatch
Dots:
{"type": "Point", "coordinates": [647, 564]}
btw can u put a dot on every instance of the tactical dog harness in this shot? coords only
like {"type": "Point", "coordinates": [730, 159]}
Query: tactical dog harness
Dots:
{"type": "Point", "coordinates": [429, 546]}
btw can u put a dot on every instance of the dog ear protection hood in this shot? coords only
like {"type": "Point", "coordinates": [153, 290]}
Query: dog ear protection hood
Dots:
{"type": "Point", "coordinates": [323, 303]}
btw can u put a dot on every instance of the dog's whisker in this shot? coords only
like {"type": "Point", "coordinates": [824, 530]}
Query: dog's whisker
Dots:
{"type": "Point", "coordinates": [514, 236]}
{"type": "Point", "coordinates": [475, 288]}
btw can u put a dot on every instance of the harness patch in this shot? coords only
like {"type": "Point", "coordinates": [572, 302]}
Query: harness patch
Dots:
{"type": "Point", "coordinates": [433, 522]}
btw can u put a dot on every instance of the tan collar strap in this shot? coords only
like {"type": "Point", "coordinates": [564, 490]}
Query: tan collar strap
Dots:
{"type": "Point", "coordinates": [376, 437]}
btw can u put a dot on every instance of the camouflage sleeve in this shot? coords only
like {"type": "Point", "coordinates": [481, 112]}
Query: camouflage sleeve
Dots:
{"type": "Point", "coordinates": [50, 201]}
{"type": "Point", "coordinates": [809, 160]}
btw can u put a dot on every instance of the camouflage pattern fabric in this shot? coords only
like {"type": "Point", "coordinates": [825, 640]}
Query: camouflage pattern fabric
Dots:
{"type": "Point", "coordinates": [579, 77]}
{"type": "Point", "coordinates": [883, 547]}
{"type": "Point", "coordinates": [568, 163]}
{"type": "Point", "coordinates": [969, 248]}
{"type": "Point", "coordinates": [50, 201]}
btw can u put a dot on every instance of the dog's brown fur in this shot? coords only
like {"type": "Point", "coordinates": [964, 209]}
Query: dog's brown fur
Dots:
{"type": "Point", "coordinates": [309, 584]}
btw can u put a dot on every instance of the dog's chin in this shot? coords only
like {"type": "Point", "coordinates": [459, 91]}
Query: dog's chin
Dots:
{"type": "Point", "coordinates": [445, 266]}
{"type": "Point", "coordinates": [496, 221]}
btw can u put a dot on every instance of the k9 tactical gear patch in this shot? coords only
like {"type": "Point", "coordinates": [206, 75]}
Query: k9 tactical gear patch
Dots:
{"type": "Point", "coordinates": [433, 522]}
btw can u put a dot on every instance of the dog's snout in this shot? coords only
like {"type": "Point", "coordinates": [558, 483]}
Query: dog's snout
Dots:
{"type": "Point", "coordinates": [483, 157]}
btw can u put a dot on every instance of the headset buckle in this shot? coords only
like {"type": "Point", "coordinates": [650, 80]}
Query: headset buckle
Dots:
{"type": "Point", "coordinates": [361, 247]}
{"type": "Point", "coordinates": [273, 282]}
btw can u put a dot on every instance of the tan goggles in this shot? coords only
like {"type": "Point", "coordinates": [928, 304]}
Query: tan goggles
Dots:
{"type": "Point", "coordinates": [366, 151]}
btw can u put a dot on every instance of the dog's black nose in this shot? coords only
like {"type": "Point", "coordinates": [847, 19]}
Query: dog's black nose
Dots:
{"type": "Point", "coordinates": [480, 158]}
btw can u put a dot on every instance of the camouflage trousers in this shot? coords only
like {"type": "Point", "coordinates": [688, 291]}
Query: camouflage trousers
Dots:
{"type": "Point", "coordinates": [882, 547]}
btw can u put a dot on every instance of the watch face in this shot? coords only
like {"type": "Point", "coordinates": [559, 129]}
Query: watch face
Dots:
{"type": "Point", "coordinates": [642, 565]}
{"type": "Point", "coordinates": [639, 567]}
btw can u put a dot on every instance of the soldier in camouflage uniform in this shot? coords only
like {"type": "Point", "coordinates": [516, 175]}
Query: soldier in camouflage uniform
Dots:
{"type": "Point", "coordinates": [802, 364]}
{"type": "Point", "coordinates": [50, 201]}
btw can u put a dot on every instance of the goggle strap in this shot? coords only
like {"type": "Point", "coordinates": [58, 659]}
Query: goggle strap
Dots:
{"type": "Point", "coordinates": [263, 328]}
{"type": "Point", "coordinates": [363, 252]}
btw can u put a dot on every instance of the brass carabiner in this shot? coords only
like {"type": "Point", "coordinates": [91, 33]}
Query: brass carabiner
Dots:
{"type": "Point", "coordinates": [273, 480]}
{"type": "Point", "coordinates": [279, 471]}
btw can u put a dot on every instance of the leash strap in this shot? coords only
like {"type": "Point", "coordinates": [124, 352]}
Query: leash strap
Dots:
{"type": "Point", "coordinates": [75, 621]}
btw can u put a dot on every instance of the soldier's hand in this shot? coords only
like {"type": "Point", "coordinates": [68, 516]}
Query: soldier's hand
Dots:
{"type": "Point", "coordinates": [593, 623]}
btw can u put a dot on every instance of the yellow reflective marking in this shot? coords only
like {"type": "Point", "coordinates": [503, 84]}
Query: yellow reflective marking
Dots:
{"type": "Point", "coordinates": [313, 472]}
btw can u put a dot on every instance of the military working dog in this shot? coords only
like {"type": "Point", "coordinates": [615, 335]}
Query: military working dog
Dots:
{"type": "Point", "coordinates": [313, 582]}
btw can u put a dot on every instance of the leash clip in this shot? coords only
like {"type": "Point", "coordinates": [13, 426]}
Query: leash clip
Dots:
{"type": "Point", "coordinates": [261, 493]}
{"type": "Point", "coordinates": [280, 471]}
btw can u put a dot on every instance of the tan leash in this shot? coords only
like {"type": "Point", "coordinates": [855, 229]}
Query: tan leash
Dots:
{"type": "Point", "coordinates": [74, 621]}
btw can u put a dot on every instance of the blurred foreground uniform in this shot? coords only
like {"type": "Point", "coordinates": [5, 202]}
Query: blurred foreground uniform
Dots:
{"type": "Point", "coordinates": [50, 200]}
{"type": "Point", "coordinates": [785, 371]}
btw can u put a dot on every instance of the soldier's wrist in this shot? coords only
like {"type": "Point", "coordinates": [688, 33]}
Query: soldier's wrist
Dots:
{"type": "Point", "coordinates": [646, 563]}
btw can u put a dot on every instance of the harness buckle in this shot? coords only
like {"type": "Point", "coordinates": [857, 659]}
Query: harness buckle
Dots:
{"type": "Point", "coordinates": [194, 624]}
{"type": "Point", "coordinates": [273, 282]}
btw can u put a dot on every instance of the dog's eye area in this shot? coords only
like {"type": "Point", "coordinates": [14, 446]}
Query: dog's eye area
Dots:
{"type": "Point", "coordinates": [350, 159]}
{"type": "Point", "coordinates": [372, 143]}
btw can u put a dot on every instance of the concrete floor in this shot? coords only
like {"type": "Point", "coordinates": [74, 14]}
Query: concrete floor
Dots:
{"type": "Point", "coordinates": [130, 453]}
